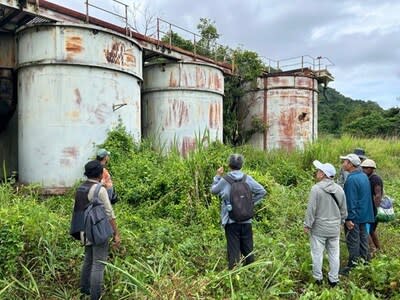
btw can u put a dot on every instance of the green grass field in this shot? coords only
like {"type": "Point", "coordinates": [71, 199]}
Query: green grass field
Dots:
{"type": "Point", "coordinates": [173, 246]}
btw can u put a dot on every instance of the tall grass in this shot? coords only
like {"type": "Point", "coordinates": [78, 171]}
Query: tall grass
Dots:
{"type": "Point", "coordinates": [173, 246]}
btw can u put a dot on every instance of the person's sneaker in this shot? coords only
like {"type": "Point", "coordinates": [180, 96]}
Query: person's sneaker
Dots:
{"type": "Point", "coordinates": [318, 281]}
{"type": "Point", "coordinates": [333, 283]}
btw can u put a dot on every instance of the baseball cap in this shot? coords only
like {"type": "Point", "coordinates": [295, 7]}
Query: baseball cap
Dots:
{"type": "Point", "coordinates": [353, 158]}
{"type": "Point", "coordinates": [326, 168]}
{"type": "Point", "coordinates": [103, 153]}
{"type": "Point", "coordinates": [368, 163]}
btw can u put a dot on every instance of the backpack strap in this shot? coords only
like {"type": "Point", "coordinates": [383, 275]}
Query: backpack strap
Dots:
{"type": "Point", "coordinates": [97, 190]}
{"type": "Point", "coordinates": [95, 199]}
{"type": "Point", "coordinates": [230, 180]}
{"type": "Point", "coordinates": [334, 198]}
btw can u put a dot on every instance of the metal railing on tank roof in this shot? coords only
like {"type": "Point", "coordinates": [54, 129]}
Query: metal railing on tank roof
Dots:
{"type": "Point", "coordinates": [123, 17]}
{"type": "Point", "coordinates": [299, 62]}
{"type": "Point", "coordinates": [167, 32]}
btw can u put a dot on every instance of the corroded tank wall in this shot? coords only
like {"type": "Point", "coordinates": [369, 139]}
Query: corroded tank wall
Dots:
{"type": "Point", "coordinates": [8, 102]}
{"type": "Point", "coordinates": [181, 101]}
{"type": "Point", "coordinates": [288, 105]}
{"type": "Point", "coordinates": [75, 83]}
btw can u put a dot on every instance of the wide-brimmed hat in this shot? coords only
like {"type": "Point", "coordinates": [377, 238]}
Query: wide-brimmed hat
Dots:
{"type": "Point", "coordinates": [368, 163]}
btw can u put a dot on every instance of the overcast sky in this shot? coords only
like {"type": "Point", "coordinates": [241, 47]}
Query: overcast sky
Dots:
{"type": "Point", "coordinates": [362, 38]}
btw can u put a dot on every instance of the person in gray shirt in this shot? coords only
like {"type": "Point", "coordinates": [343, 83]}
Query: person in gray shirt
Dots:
{"type": "Point", "coordinates": [239, 235]}
{"type": "Point", "coordinates": [326, 212]}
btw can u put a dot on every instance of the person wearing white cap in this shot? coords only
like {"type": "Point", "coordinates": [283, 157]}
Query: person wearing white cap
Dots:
{"type": "Point", "coordinates": [368, 166]}
{"type": "Point", "coordinates": [359, 210]}
{"type": "Point", "coordinates": [343, 174]}
{"type": "Point", "coordinates": [326, 212]}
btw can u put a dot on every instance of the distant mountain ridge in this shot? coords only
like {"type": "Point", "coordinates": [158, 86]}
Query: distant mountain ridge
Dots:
{"type": "Point", "coordinates": [338, 114]}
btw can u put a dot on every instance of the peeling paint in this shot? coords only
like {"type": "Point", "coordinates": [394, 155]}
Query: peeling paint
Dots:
{"type": "Point", "coordinates": [78, 98]}
{"type": "Point", "coordinates": [290, 121]}
{"type": "Point", "coordinates": [178, 114]}
{"type": "Point", "coordinates": [188, 144]}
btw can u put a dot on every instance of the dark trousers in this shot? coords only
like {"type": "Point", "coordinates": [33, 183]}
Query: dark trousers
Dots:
{"type": "Point", "coordinates": [357, 244]}
{"type": "Point", "coordinates": [239, 238]}
{"type": "Point", "coordinates": [92, 273]}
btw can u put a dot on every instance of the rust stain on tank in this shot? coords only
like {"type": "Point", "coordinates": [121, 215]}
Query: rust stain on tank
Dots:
{"type": "Point", "coordinates": [287, 145]}
{"type": "Point", "coordinates": [217, 82]}
{"type": "Point", "coordinates": [73, 46]}
{"type": "Point", "coordinates": [70, 152]}
{"type": "Point", "coordinates": [214, 112]}
{"type": "Point", "coordinates": [99, 113]}
{"type": "Point", "coordinates": [287, 123]}
{"type": "Point", "coordinates": [200, 78]}
{"type": "Point", "coordinates": [188, 144]}
{"type": "Point", "coordinates": [172, 80]}
{"type": "Point", "coordinates": [65, 162]}
{"type": "Point", "coordinates": [130, 57]}
{"type": "Point", "coordinates": [304, 82]}
{"type": "Point", "coordinates": [178, 114]}
{"type": "Point", "coordinates": [74, 115]}
{"type": "Point", "coordinates": [115, 55]}
{"type": "Point", "coordinates": [78, 98]}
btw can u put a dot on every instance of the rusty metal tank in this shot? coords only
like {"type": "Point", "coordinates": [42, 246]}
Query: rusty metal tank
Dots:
{"type": "Point", "coordinates": [8, 103]}
{"type": "Point", "coordinates": [287, 104]}
{"type": "Point", "coordinates": [182, 103]}
{"type": "Point", "coordinates": [75, 82]}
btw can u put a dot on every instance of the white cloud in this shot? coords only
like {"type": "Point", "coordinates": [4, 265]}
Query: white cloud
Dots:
{"type": "Point", "coordinates": [362, 38]}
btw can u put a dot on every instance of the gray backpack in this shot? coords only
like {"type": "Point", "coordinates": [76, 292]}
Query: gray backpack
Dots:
{"type": "Point", "coordinates": [98, 229]}
{"type": "Point", "coordinates": [241, 199]}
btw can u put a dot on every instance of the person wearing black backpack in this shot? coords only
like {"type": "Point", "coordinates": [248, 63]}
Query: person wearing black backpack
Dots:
{"type": "Point", "coordinates": [92, 272]}
{"type": "Point", "coordinates": [238, 193]}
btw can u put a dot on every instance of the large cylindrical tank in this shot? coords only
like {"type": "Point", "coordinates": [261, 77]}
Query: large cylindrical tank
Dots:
{"type": "Point", "coordinates": [287, 104]}
{"type": "Point", "coordinates": [75, 82]}
{"type": "Point", "coordinates": [182, 103]}
{"type": "Point", "coordinates": [8, 103]}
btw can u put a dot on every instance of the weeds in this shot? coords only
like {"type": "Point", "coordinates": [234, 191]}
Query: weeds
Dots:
{"type": "Point", "coordinates": [172, 244]}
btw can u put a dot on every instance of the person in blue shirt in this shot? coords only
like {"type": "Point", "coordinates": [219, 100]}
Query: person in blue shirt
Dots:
{"type": "Point", "coordinates": [239, 235]}
{"type": "Point", "coordinates": [359, 211]}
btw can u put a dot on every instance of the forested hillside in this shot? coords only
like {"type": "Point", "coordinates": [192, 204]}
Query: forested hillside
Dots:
{"type": "Point", "coordinates": [339, 114]}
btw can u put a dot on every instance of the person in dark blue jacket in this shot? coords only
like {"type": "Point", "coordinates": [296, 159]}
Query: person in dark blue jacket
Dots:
{"type": "Point", "coordinates": [360, 211]}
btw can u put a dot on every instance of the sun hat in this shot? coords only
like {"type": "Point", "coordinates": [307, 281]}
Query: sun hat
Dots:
{"type": "Point", "coordinates": [368, 163]}
{"type": "Point", "coordinates": [103, 153]}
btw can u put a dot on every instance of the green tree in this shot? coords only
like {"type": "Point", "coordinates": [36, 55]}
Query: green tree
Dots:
{"type": "Point", "coordinates": [209, 36]}
{"type": "Point", "coordinates": [247, 66]}
{"type": "Point", "coordinates": [174, 39]}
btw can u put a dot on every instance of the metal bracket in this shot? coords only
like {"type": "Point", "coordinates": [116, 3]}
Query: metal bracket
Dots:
{"type": "Point", "coordinates": [118, 106]}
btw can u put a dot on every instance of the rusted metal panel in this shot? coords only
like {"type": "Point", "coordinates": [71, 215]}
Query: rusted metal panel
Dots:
{"type": "Point", "coordinates": [66, 108]}
{"type": "Point", "coordinates": [9, 147]}
{"type": "Point", "coordinates": [185, 75]}
{"type": "Point", "coordinates": [7, 50]}
{"type": "Point", "coordinates": [8, 120]}
{"type": "Point", "coordinates": [181, 103]}
{"type": "Point", "coordinates": [78, 44]}
{"type": "Point", "coordinates": [291, 111]}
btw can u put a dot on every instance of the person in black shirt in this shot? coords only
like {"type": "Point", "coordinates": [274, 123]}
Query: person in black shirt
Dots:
{"type": "Point", "coordinates": [369, 167]}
